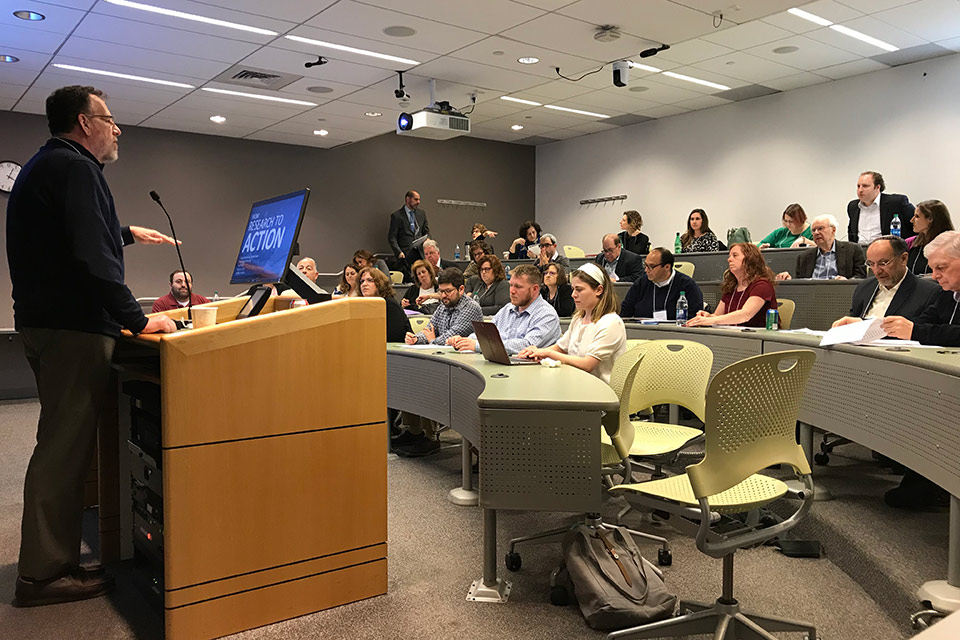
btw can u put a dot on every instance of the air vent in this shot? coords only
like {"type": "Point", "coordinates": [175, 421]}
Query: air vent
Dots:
{"type": "Point", "coordinates": [460, 124]}
{"type": "Point", "coordinates": [245, 76]}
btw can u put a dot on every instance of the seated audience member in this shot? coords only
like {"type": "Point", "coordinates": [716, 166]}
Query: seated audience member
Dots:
{"type": "Point", "coordinates": [349, 285]}
{"type": "Point", "coordinates": [557, 291]}
{"type": "Point", "coordinates": [374, 284]}
{"type": "Point", "coordinates": [431, 253]}
{"type": "Point", "coordinates": [698, 236]}
{"type": "Point", "coordinates": [549, 254]}
{"type": "Point", "coordinates": [630, 236]}
{"type": "Point", "coordinates": [596, 335]}
{"type": "Point", "coordinates": [794, 232]}
{"type": "Point", "coordinates": [528, 321]}
{"type": "Point", "coordinates": [871, 213]}
{"type": "Point", "coordinates": [308, 267]}
{"type": "Point", "coordinates": [930, 219]}
{"type": "Point", "coordinates": [456, 314]}
{"type": "Point", "coordinates": [529, 237]}
{"type": "Point", "coordinates": [747, 291]}
{"type": "Point", "coordinates": [892, 290]}
{"type": "Point", "coordinates": [491, 290]}
{"type": "Point", "coordinates": [831, 259]}
{"type": "Point", "coordinates": [178, 296]}
{"type": "Point", "coordinates": [422, 295]}
{"type": "Point", "coordinates": [655, 294]}
{"type": "Point", "coordinates": [478, 249]}
{"type": "Point", "coordinates": [363, 258]}
{"type": "Point", "coordinates": [621, 265]}
{"type": "Point", "coordinates": [480, 232]}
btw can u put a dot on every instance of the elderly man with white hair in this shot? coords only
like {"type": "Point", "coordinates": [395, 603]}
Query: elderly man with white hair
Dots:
{"type": "Point", "coordinates": [431, 253]}
{"type": "Point", "coordinates": [939, 323]}
{"type": "Point", "coordinates": [831, 259]}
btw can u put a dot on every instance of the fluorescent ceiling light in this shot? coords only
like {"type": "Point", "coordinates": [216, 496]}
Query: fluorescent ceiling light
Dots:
{"type": "Point", "coordinates": [218, 119]}
{"type": "Point", "coordinates": [517, 127]}
{"type": "Point", "coordinates": [800, 13]}
{"type": "Point", "coordinates": [521, 101]}
{"type": "Point", "coordinates": [259, 97]}
{"type": "Point", "coordinates": [320, 132]}
{"type": "Point", "coordinates": [372, 114]}
{"type": "Point", "coordinates": [705, 83]}
{"type": "Point", "coordinates": [362, 52]}
{"type": "Point", "coordinates": [191, 16]}
{"type": "Point", "coordinates": [125, 76]}
{"type": "Point", "coordinates": [847, 31]}
{"type": "Point", "coordinates": [645, 67]}
{"type": "Point", "coordinates": [583, 113]}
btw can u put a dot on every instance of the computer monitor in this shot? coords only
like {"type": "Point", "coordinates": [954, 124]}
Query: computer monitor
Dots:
{"type": "Point", "coordinates": [268, 241]}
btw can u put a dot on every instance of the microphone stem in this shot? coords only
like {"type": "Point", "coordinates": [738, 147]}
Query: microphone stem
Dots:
{"type": "Point", "coordinates": [186, 276]}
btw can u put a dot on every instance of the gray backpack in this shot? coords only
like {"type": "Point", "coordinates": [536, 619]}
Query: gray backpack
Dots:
{"type": "Point", "coordinates": [736, 235]}
{"type": "Point", "coordinates": [614, 585]}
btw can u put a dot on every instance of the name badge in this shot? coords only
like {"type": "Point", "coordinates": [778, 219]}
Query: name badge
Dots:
{"type": "Point", "coordinates": [660, 315]}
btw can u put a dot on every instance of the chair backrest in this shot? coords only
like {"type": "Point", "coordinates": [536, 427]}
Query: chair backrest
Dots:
{"type": "Point", "coordinates": [622, 381]}
{"type": "Point", "coordinates": [686, 268]}
{"type": "Point", "coordinates": [787, 307]}
{"type": "Point", "coordinates": [672, 372]}
{"type": "Point", "coordinates": [751, 420]}
{"type": "Point", "coordinates": [417, 323]}
{"type": "Point", "coordinates": [396, 277]}
{"type": "Point", "coordinates": [571, 251]}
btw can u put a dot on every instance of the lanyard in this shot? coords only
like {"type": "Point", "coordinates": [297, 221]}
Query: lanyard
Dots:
{"type": "Point", "coordinates": [655, 288]}
{"type": "Point", "coordinates": [913, 267]}
{"type": "Point", "coordinates": [956, 304]}
{"type": "Point", "coordinates": [863, 314]}
{"type": "Point", "coordinates": [732, 303]}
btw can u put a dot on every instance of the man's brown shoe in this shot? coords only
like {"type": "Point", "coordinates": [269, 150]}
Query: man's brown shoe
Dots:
{"type": "Point", "coordinates": [77, 585]}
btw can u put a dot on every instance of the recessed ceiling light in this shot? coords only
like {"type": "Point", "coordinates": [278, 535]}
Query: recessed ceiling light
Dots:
{"type": "Point", "coordinates": [637, 88]}
{"type": "Point", "coordinates": [569, 110]}
{"type": "Point", "coordinates": [399, 31]}
{"type": "Point", "coordinates": [340, 47]}
{"type": "Point", "coordinates": [644, 67]}
{"type": "Point", "coordinates": [191, 16]}
{"type": "Point", "coordinates": [786, 49]}
{"type": "Point", "coordinates": [218, 119]}
{"type": "Point", "coordinates": [373, 114]}
{"type": "Point", "coordinates": [320, 132]}
{"type": "Point", "coordinates": [706, 83]}
{"type": "Point", "coordinates": [528, 60]}
{"type": "Point", "coordinates": [33, 16]}
{"type": "Point", "coordinates": [5, 58]}
{"type": "Point", "coordinates": [862, 37]}
{"type": "Point", "coordinates": [257, 96]}
{"type": "Point", "coordinates": [521, 101]}
{"type": "Point", "coordinates": [125, 76]}
{"type": "Point", "coordinates": [517, 127]}
{"type": "Point", "coordinates": [800, 13]}
{"type": "Point", "coordinates": [498, 53]}
{"type": "Point", "coordinates": [319, 89]}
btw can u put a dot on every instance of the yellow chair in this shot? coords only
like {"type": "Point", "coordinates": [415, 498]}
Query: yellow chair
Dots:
{"type": "Point", "coordinates": [787, 307]}
{"type": "Point", "coordinates": [396, 277]}
{"type": "Point", "coordinates": [573, 252]}
{"type": "Point", "coordinates": [417, 323]}
{"type": "Point", "coordinates": [751, 410]}
{"type": "Point", "coordinates": [686, 268]}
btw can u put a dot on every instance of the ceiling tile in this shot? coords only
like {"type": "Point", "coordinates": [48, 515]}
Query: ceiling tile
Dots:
{"type": "Point", "coordinates": [299, 11]}
{"type": "Point", "coordinates": [575, 104]}
{"type": "Point", "coordinates": [323, 142]}
{"type": "Point", "coordinates": [510, 50]}
{"type": "Point", "coordinates": [29, 60]}
{"type": "Point", "coordinates": [700, 74]}
{"type": "Point", "coordinates": [291, 61]}
{"type": "Point", "coordinates": [563, 134]}
{"type": "Point", "coordinates": [129, 109]}
{"type": "Point", "coordinates": [930, 19]}
{"type": "Point", "coordinates": [356, 42]}
{"type": "Point", "coordinates": [951, 43]}
{"type": "Point", "coordinates": [31, 106]}
{"type": "Point", "coordinates": [479, 75]}
{"type": "Point", "coordinates": [53, 78]}
{"type": "Point", "coordinates": [10, 73]}
{"type": "Point", "coordinates": [549, 118]}
{"type": "Point", "coordinates": [657, 21]}
{"type": "Point", "coordinates": [616, 99]}
{"type": "Point", "coordinates": [748, 35]}
{"type": "Point", "coordinates": [316, 119]}
{"type": "Point", "coordinates": [810, 54]}
{"type": "Point", "coordinates": [742, 11]}
{"type": "Point", "coordinates": [560, 89]}
{"type": "Point", "coordinates": [688, 52]}
{"type": "Point", "coordinates": [746, 67]}
{"type": "Point", "coordinates": [795, 81]}
{"type": "Point", "coordinates": [489, 16]}
{"type": "Point", "coordinates": [201, 117]}
{"type": "Point", "coordinates": [73, 4]}
{"type": "Point", "coordinates": [173, 124]}
{"type": "Point", "coordinates": [417, 87]}
{"type": "Point", "coordinates": [144, 60]}
{"type": "Point", "coordinates": [663, 111]}
{"type": "Point", "coordinates": [6, 104]}
{"type": "Point", "coordinates": [549, 5]}
{"type": "Point", "coordinates": [832, 11]}
{"type": "Point", "coordinates": [60, 20]}
{"type": "Point", "coordinates": [120, 68]}
{"type": "Point", "coordinates": [871, 27]}
{"type": "Point", "coordinates": [575, 37]}
{"type": "Point", "coordinates": [911, 55]}
{"type": "Point", "coordinates": [300, 87]}
{"type": "Point", "coordinates": [855, 68]}
{"type": "Point", "coordinates": [657, 91]}
{"type": "Point", "coordinates": [10, 91]}
{"type": "Point", "coordinates": [22, 38]}
{"type": "Point", "coordinates": [872, 6]}
{"type": "Point", "coordinates": [594, 127]}
{"type": "Point", "coordinates": [703, 102]}
{"type": "Point", "coordinates": [790, 22]}
{"type": "Point", "coordinates": [338, 133]}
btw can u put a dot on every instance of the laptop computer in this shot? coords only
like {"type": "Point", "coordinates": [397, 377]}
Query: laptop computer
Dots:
{"type": "Point", "coordinates": [491, 345]}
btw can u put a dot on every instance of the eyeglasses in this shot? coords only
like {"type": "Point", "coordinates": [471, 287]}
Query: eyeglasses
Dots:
{"type": "Point", "coordinates": [547, 244]}
{"type": "Point", "coordinates": [368, 281]}
{"type": "Point", "coordinates": [110, 119]}
{"type": "Point", "coordinates": [485, 269]}
{"type": "Point", "coordinates": [611, 250]}
{"type": "Point", "coordinates": [651, 267]}
{"type": "Point", "coordinates": [446, 292]}
{"type": "Point", "coordinates": [878, 263]}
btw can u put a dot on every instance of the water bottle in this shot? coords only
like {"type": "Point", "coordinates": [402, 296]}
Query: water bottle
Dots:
{"type": "Point", "coordinates": [682, 308]}
{"type": "Point", "coordinates": [677, 245]}
{"type": "Point", "coordinates": [216, 296]}
{"type": "Point", "coordinates": [456, 253]}
{"type": "Point", "coordinates": [895, 225]}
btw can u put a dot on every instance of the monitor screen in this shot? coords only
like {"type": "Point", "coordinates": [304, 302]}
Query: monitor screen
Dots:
{"type": "Point", "coordinates": [268, 241]}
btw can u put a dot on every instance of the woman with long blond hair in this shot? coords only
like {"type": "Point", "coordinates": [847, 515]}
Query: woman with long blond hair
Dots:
{"type": "Point", "coordinates": [746, 291]}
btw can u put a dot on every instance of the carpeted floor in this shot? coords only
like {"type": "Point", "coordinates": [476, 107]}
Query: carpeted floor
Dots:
{"type": "Point", "coordinates": [435, 554]}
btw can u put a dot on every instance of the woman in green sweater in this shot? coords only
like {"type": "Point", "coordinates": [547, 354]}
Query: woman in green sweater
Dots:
{"type": "Point", "coordinates": [795, 231]}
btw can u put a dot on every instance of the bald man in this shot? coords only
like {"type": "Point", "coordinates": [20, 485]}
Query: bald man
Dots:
{"type": "Point", "coordinates": [308, 267]}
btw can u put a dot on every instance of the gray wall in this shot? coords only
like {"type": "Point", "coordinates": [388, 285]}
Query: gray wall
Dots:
{"type": "Point", "coordinates": [208, 184]}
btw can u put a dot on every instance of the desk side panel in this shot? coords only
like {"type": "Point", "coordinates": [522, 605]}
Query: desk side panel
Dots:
{"type": "Point", "coordinates": [420, 386]}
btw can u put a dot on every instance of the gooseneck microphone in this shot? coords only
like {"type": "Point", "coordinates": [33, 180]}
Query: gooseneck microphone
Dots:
{"type": "Point", "coordinates": [176, 244]}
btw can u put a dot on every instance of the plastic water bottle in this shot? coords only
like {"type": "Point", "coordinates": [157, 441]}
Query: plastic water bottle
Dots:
{"type": "Point", "coordinates": [895, 225]}
{"type": "Point", "coordinates": [506, 268]}
{"type": "Point", "coordinates": [677, 245]}
{"type": "Point", "coordinates": [216, 296]}
{"type": "Point", "coordinates": [456, 253]}
{"type": "Point", "coordinates": [682, 308]}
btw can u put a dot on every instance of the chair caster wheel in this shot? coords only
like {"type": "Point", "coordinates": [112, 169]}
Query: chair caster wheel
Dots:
{"type": "Point", "coordinates": [559, 596]}
{"type": "Point", "coordinates": [664, 557]}
{"type": "Point", "coordinates": [513, 561]}
{"type": "Point", "coordinates": [821, 459]}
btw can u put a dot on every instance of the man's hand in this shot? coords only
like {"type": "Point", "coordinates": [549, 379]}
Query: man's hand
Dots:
{"type": "Point", "coordinates": [490, 234]}
{"type": "Point", "coordinates": [404, 303]}
{"type": "Point", "coordinates": [897, 327]}
{"type": "Point", "coordinates": [429, 333]}
{"type": "Point", "coordinates": [401, 256]}
{"type": "Point", "coordinates": [462, 344]}
{"type": "Point", "coordinates": [410, 338]}
{"type": "Point", "coordinates": [150, 236]}
{"type": "Point", "coordinates": [784, 275]}
{"type": "Point", "coordinates": [159, 324]}
{"type": "Point", "coordinates": [845, 320]}
{"type": "Point", "coordinates": [839, 278]}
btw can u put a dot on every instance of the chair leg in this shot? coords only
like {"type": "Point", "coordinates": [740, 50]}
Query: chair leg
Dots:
{"type": "Point", "coordinates": [746, 629]}
{"type": "Point", "coordinates": [687, 625]}
{"type": "Point", "coordinates": [774, 623]}
{"type": "Point", "coordinates": [643, 536]}
{"type": "Point", "coordinates": [627, 509]}
{"type": "Point", "coordinates": [544, 537]}
{"type": "Point", "coordinates": [723, 626]}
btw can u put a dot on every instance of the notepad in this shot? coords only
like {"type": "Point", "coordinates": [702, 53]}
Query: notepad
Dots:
{"type": "Point", "coordinates": [855, 332]}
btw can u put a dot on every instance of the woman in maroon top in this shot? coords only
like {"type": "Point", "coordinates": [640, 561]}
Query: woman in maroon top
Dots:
{"type": "Point", "coordinates": [747, 291]}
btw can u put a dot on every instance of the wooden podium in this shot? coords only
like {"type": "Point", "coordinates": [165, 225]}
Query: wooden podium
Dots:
{"type": "Point", "coordinates": [274, 480]}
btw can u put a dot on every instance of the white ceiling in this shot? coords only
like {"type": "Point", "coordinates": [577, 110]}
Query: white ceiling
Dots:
{"type": "Point", "coordinates": [471, 48]}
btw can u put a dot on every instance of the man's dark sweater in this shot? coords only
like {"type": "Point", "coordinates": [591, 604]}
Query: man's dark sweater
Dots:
{"type": "Point", "coordinates": [939, 323]}
{"type": "Point", "coordinates": [644, 297]}
{"type": "Point", "coordinates": [65, 246]}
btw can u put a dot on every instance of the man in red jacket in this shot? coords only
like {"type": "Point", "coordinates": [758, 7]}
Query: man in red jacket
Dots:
{"type": "Point", "coordinates": [179, 294]}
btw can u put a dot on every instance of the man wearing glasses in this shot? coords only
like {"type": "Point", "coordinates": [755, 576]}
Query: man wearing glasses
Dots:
{"type": "Point", "coordinates": [655, 295]}
{"type": "Point", "coordinates": [549, 254]}
{"type": "Point", "coordinates": [892, 290]}
{"type": "Point", "coordinates": [621, 265]}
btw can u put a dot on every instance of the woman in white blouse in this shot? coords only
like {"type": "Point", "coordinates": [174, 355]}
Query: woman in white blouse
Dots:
{"type": "Point", "coordinates": [596, 336]}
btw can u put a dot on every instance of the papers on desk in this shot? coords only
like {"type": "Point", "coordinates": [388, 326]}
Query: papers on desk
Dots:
{"type": "Point", "coordinates": [854, 333]}
{"type": "Point", "coordinates": [890, 342]}
{"type": "Point", "coordinates": [430, 347]}
{"type": "Point", "coordinates": [804, 331]}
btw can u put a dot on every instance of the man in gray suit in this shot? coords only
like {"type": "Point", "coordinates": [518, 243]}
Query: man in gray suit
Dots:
{"type": "Point", "coordinates": [408, 223]}
{"type": "Point", "coordinates": [831, 259]}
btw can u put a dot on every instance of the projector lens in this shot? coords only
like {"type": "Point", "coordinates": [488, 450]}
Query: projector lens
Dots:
{"type": "Point", "coordinates": [405, 122]}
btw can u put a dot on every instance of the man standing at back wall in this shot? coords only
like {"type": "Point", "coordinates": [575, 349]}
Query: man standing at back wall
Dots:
{"type": "Point", "coordinates": [871, 213]}
{"type": "Point", "coordinates": [408, 223]}
{"type": "Point", "coordinates": [69, 311]}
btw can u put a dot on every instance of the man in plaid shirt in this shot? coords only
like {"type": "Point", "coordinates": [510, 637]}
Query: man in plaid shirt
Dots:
{"type": "Point", "coordinates": [456, 315]}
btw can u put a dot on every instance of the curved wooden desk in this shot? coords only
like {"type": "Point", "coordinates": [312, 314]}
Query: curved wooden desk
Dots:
{"type": "Point", "coordinates": [538, 431]}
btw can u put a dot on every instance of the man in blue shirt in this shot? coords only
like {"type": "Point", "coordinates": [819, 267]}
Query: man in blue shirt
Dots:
{"type": "Point", "coordinates": [528, 321]}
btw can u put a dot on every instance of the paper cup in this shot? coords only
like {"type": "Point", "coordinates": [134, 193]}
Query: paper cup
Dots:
{"type": "Point", "coordinates": [204, 317]}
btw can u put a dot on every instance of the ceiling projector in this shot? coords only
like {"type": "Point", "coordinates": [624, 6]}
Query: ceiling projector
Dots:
{"type": "Point", "coordinates": [437, 121]}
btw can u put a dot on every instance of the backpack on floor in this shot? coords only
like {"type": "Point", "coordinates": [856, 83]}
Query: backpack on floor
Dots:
{"type": "Point", "coordinates": [614, 585]}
